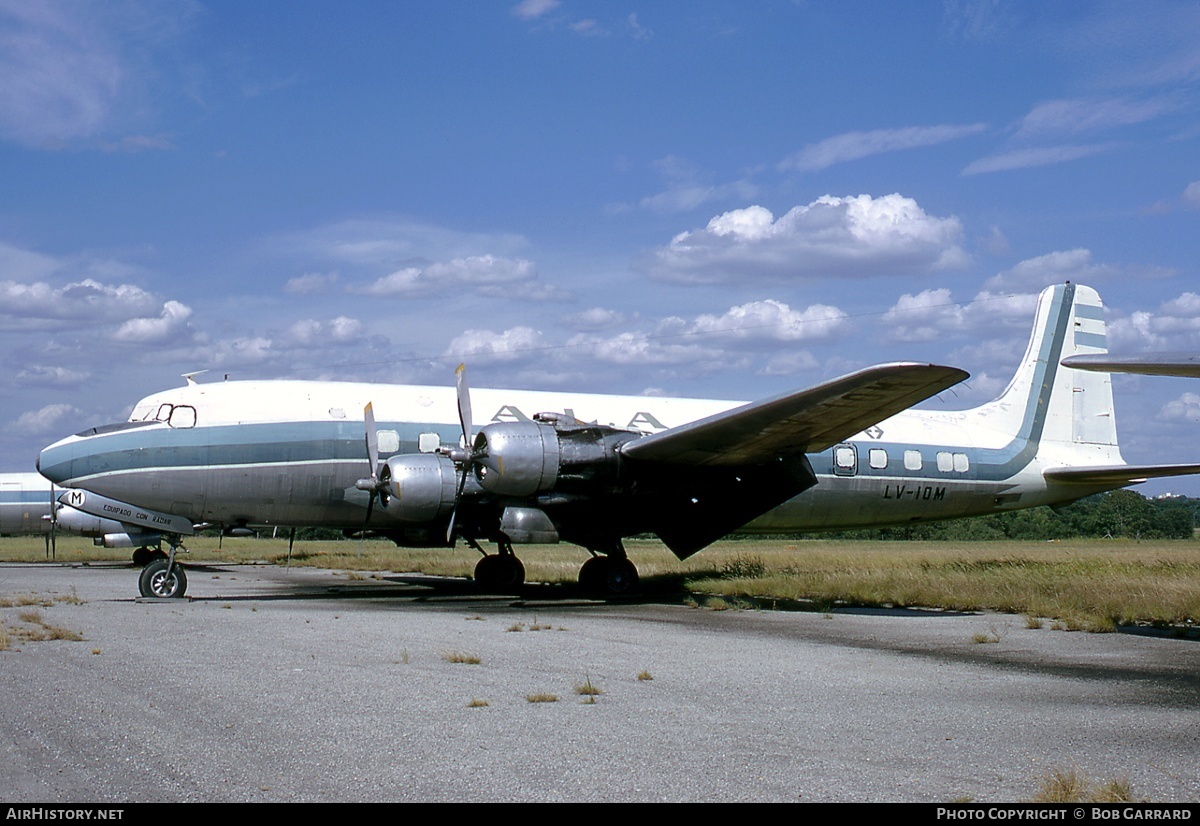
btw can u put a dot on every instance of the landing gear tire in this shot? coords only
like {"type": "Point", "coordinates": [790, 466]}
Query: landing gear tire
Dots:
{"type": "Point", "coordinates": [155, 582]}
{"type": "Point", "coordinates": [606, 577]}
{"type": "Point", "coordinates": [144, 556]}
{"type": "Point", "coordinates": [499, 574]}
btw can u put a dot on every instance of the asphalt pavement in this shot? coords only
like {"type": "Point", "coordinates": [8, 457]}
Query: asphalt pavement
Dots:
{"type": "Point", "coordinates": [309, 685]}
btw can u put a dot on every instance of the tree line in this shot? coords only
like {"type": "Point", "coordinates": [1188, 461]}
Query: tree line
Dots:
{"type": "Point", "coordinates": [1116, 514]}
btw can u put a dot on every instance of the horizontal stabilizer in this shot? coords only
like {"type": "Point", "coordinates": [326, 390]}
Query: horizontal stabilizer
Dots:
{"type": "Point", "coordinates": [1148, 364]}
{"type": "Point", "coordinates": [802, 421]}
{"type": "Point", "coordinates": [1117, 475]}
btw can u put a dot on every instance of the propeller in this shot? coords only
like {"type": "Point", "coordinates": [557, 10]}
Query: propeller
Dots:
{"type": "Point", "coordinates": [461, 456]}
{"type": "Point", "coordinates": [377, 483]}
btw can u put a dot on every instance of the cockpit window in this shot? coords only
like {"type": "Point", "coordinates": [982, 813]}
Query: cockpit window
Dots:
{"type": "Point", "coordinates": [182, 415]}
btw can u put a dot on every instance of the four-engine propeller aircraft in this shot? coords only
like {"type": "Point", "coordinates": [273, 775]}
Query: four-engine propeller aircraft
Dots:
{"type": "Point", "coordinates": [592, 469]}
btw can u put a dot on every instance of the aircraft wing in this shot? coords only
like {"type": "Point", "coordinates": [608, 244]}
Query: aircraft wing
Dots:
{"type": "Point", "coordinates": [1149, 364]}
{"type": "Point", "coordinates": [1117, 474]}
{"type": "Point", "coordinates": [802, 421]}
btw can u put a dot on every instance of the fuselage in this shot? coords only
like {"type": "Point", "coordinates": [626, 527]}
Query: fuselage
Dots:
{"type": "Point", "coordinates": [25, 500]}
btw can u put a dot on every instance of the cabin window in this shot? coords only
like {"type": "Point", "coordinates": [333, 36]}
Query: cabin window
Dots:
{"type": "Point", "coordinates": [878, 458]}
{"type": "Point", "coordinates": [182, 415]}
{"type": "Point", "coordinates": [389, 441]}
{"type": "Point", "coordinates": [912, 460]}
{"type": "Point", "coordinates": [945, 461]}
{"type": "Point", "coordinates": [337, 413]}
{"type": "Point", "coordinates": [428, 442]}
{"type": "Point", "coordinates": [845, 460]}
{"type": "Point", "coordinates": [961, 463]}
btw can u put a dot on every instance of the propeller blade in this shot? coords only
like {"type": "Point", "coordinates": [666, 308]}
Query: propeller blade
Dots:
{"type": "Point", "coordinates": [462, 483]}
{"type": "Point", "coordinates": [464, 403]}
{"type": "Point", "coordinates": [372, 437]}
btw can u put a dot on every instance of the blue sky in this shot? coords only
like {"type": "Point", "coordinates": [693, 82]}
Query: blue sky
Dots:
{"type": "Point", "coordinates": [716, 199]}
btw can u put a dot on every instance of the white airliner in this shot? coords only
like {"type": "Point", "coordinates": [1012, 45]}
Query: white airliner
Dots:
{"type": "Point", "coordinates": [592, 469]}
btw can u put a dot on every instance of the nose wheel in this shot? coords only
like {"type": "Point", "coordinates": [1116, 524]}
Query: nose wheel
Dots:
{"type": "Point", "coordinates": [162, 579]}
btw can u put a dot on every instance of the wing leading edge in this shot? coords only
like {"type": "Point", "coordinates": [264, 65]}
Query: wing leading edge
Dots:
{"type": "Point", "coordinates": [802, 421]}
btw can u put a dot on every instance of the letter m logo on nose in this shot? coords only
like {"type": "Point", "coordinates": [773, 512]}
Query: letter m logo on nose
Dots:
{"type": "Point", "coordinates": [75, 498]}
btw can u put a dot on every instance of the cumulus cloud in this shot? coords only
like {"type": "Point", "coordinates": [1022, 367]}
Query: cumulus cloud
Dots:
{"type": "Point", "coordinates": [1052, 268]}
{"type": "Point", "coordinates": [924, 317]}
{"type": "Point", "coordinates": [506, 346]}
{"type": "Point", "coordinates": [43, 376]}
{"type": "Point", "coordinates": [1186, 408]}
{"type": "Point", "coordinates": [595, 318]}
{"type": "Point", "coordinates": [51, 420]}
{"type": "Point", "coordinates": [376, 245]}
{"type": "Point", "coordinates": [772, 320]}
{"type": "Point", "coordinates": [533, 9]}
{"type": "Point", "coordinates": [170, 323]}
{"type": "Point", "coordinates": [472, 271]}
{"type": "Point", "coordinates": [933, 314]}
{"type": "Point", "coordinates": [314, 333]}
{"type": "Point", "coordinates": [852, 146]}
{"type": "Point", "coordinates": [309, 283]}
{"type": "Point", "coordinates": [832, 236]}
{"type": "Point", "coordinates": [37, 305]}
{"type": "Point", "coordinates": [1191, 195]}
{"type": "Point", "coordinates": [644, 349]}
{"type": "Point", "coordinates": [1174, 326]}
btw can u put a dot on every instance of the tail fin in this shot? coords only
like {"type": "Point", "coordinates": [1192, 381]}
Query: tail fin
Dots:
{"type": "Point", "coordinates": [1048, 403]}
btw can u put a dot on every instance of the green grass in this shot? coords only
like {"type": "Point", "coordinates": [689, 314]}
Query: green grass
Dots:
{"type": "Point", "coordinates": [1072, 584]}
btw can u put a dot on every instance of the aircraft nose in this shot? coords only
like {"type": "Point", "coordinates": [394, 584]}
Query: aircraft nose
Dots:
{"type": "Point", "coordinates": [54, 463]}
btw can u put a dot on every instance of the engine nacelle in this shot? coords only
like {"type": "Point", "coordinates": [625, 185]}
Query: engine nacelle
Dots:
{"type": "Point", "coordinates": [128, 540]}
{"type": "Point", "coordinates": [75, 521]}
{"type": "Point", "coordinates": [517, 458]}
{"type": "Point", "coordinates": [530, 458]}
{"type": "Point", "coordinates": [422, 486]}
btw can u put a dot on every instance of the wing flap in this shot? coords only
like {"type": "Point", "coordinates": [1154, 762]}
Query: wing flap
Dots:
{"type": "Point", "coordinates": [1117, 474]}
{"type": "Point", "coordinates": [802, 421]}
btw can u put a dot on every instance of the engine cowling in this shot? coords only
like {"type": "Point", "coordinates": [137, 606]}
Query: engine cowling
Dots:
{"type": "Point", "coordinates": [529, 458]}
{"type": "Point", "coordinates": [421, 486]}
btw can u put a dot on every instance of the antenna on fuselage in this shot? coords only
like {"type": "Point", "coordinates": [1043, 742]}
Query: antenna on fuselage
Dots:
{"type": "Point", "coordinates": [191, 377]}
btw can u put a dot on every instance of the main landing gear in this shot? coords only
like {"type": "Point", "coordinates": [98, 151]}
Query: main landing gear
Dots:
{"type": "Point", "coordinates": [163, 577]}
{"type": "Point", "coordinates": [609, 573]}
{"type": "Point", "coordinates": [499, 573]}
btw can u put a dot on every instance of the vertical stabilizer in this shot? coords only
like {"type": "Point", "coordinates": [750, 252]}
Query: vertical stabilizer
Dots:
{"type": "Point", "coordinates": [1046, 402]}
